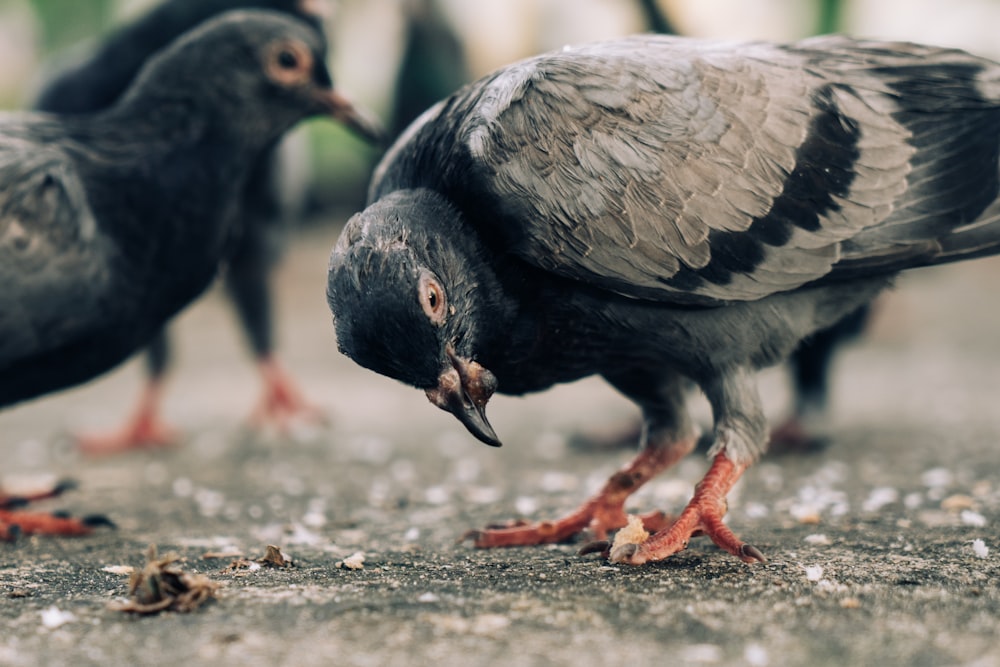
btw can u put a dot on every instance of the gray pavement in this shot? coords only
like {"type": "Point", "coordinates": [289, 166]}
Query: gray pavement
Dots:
{"type": "Point", "coordinates": [871, 541]}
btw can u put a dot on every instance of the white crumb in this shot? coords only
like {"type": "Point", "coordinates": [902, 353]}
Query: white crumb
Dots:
{"type": "Point", "coordinates": [970, 518]}
{"type": "Point", "coordinates": [53, 617]}
{"type": "Point", "coordinates": [879, 498]}
{"type": "Point", "coordinates": [355, 561]}
{"type": "Point", "coordinates": [980, 549]}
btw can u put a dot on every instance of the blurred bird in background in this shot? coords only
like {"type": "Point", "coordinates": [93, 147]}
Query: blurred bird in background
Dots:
{"type": "Point", "coordinates": [96, 82]}
{"type": "Point", "coordinates": [112, 222]}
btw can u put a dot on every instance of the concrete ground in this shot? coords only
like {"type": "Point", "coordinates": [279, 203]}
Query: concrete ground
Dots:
{"type": "Point", "coordinates": [871, 541]}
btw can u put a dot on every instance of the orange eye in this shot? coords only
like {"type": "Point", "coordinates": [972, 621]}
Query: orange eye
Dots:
{"type": "Point", "coordinates": [289, 63]}
{"type": "Point", "coordinates": [432, 299]}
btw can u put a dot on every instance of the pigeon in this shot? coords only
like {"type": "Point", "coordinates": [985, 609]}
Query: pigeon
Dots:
{"type": "Point", "coordinates": [110, 223]}
{"type": "Point", "coordinates": [661, 210]}
{"type": "Point", "coordinates": [98, 81]}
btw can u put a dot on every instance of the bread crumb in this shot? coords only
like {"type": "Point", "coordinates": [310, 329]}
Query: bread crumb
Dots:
{"type": "Point", "coordinates": [980, 549]}
{"type": "Point", "coordinates": [957, 502]}
{"type": "Point", "coordinates": [633, 533]}
{"type": "Point", "coordinates": [970, 518]}
{"type": "Point", "coordinates": [355, 561]}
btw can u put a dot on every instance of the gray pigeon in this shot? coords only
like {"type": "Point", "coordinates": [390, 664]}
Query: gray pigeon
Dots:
{"type": "Point", "coordinates": [112, 222]}
{"type": "Point", "coordinates": [659, 208]}
{"type": "Point", "coordinates": [94, 82]}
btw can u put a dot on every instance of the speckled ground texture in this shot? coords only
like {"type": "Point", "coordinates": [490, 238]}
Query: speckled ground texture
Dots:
{"type": "Point", "coordinates": [871, 540]}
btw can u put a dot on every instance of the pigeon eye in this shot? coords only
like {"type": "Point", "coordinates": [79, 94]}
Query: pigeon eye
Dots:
{"type": "Point", "coordinates": [289, 63]}
{"type": "Point", "coordinates": [287, 60]}
{"type": "Point", "coordinates": [432, 299]}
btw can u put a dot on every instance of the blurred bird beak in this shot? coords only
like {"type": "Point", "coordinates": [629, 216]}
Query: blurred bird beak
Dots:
{"type": "Point", "coordinates": [463, 390]}
{"type": "Point", "coordinates": [358, 120]}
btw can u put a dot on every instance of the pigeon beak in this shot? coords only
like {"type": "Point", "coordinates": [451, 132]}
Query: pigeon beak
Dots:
{"type": "Point", "coordinates": [463, 390]}
{"type": "Point", "coordinates": [355, 118]}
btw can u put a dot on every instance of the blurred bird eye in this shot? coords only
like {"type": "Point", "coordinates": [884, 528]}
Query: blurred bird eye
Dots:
{"type": "Point", "coordinates": [288, 60]}
{"type": "Point", "coordinates": [289, 63]}
{"type": "Point", "coordinates": [432, 299]}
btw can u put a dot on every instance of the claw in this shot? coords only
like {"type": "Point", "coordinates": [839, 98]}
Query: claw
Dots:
{"type": "Point", "coordinates": [9, 532]}
{"type": "Point", "coordinates": [602, 547]}
{"type": "Point", "coordinates": [749, 553]}
{"type": "Point", "coordinates": [64, 485]}
{"type": "Point", "coordinates": [623, 552]}
{"type": "Point", "coordinates": [473, 534]}
{"type": "Point", "coordinates": [98, 520]}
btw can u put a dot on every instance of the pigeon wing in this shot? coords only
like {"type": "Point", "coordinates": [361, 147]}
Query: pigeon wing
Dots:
{"type": "Point", "coordinates": [52, 257]}
{"type": "Point", "coordinates": [705, 172]}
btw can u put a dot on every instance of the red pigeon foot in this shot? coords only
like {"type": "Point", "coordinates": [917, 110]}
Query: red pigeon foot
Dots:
{"type": "Point", "coordinates": [702, 516]}
{"type": "Point", "coordinates": [144, 430]}
{"type": "Point", "coordinates": [602, 513]}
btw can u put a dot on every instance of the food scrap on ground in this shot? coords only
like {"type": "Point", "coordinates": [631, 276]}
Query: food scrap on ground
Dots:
{"type": "Point", "coordinates": [273, 557]}
{"type": "Point", "coordinates": [633, 533]}
{"type": "Point", "coordinates": [355, 561]}
{"type": "Point", "coordinates": [162, 585]}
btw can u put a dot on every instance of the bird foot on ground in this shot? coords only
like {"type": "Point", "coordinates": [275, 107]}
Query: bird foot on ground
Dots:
{"type": "Point", "coordinates": [145, 431]}
{"type": "Point", "coordinates": [702, 516]}
{"type": "Point", "coordinates": [14, 524]}
{"type": "Point", "coordinates": [8, 502]}
{"type": "Point", "coordinates": [18, 522]}
{"type": "Point", "coordinates": [527, 533]}
{"type": "Point", "coordinates": [793, 437]}
{"type": "Point", "coordinates": [283, 406]}
{"type": "Point", "coordinates": [604, 512]}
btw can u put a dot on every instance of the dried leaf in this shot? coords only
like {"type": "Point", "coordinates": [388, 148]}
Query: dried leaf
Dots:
{"type": "Point", "coordinates": [162, 585]}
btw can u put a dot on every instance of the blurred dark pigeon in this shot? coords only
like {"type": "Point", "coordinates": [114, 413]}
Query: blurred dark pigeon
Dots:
{"type": "Point", "coordinates": [659, 210]}
{"type": "Point", "coordinates": [432, 66]}
{"type": "Point", "coordinates": [97, 81]}
{"type": "Point", "coordinates": [110, 223]}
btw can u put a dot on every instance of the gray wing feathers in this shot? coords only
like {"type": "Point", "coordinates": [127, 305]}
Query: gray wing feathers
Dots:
{"type": "Point", "coordinates": [51, 262]}
{"type": "Point", "coordinates": [656, 178]}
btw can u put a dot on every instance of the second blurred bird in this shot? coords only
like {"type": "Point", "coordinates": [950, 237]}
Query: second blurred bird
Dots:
{"type": "Point", "coordinates": [95, 83]}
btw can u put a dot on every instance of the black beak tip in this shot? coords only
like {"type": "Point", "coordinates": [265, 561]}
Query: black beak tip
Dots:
{"type": "Point", "coordinates": [475, 420]}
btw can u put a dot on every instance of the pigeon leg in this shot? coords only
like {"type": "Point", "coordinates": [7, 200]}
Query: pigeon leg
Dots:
{"type": "Point", "coordinates": [282, 403]}
{"type": "Point", "coordinates": [144, 429]}
{"type": "Point", "coordinates": [740, 439]}
{"type": "Point", "coordinates": [668, 437]}
{"type": "Point", "coordinates": [248, 276]}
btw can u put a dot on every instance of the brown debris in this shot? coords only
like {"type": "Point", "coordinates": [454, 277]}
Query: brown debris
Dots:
{"type": "Point", "coordinates": [273, 557]}
{"type": "Point", "coordinates": [162, 585]}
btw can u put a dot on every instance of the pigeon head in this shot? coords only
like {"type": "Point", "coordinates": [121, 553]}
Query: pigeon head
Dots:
{"type": "Point", "coordinates": [260, 71]}
{"type": "Point", "coordinates": [410, 289]}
